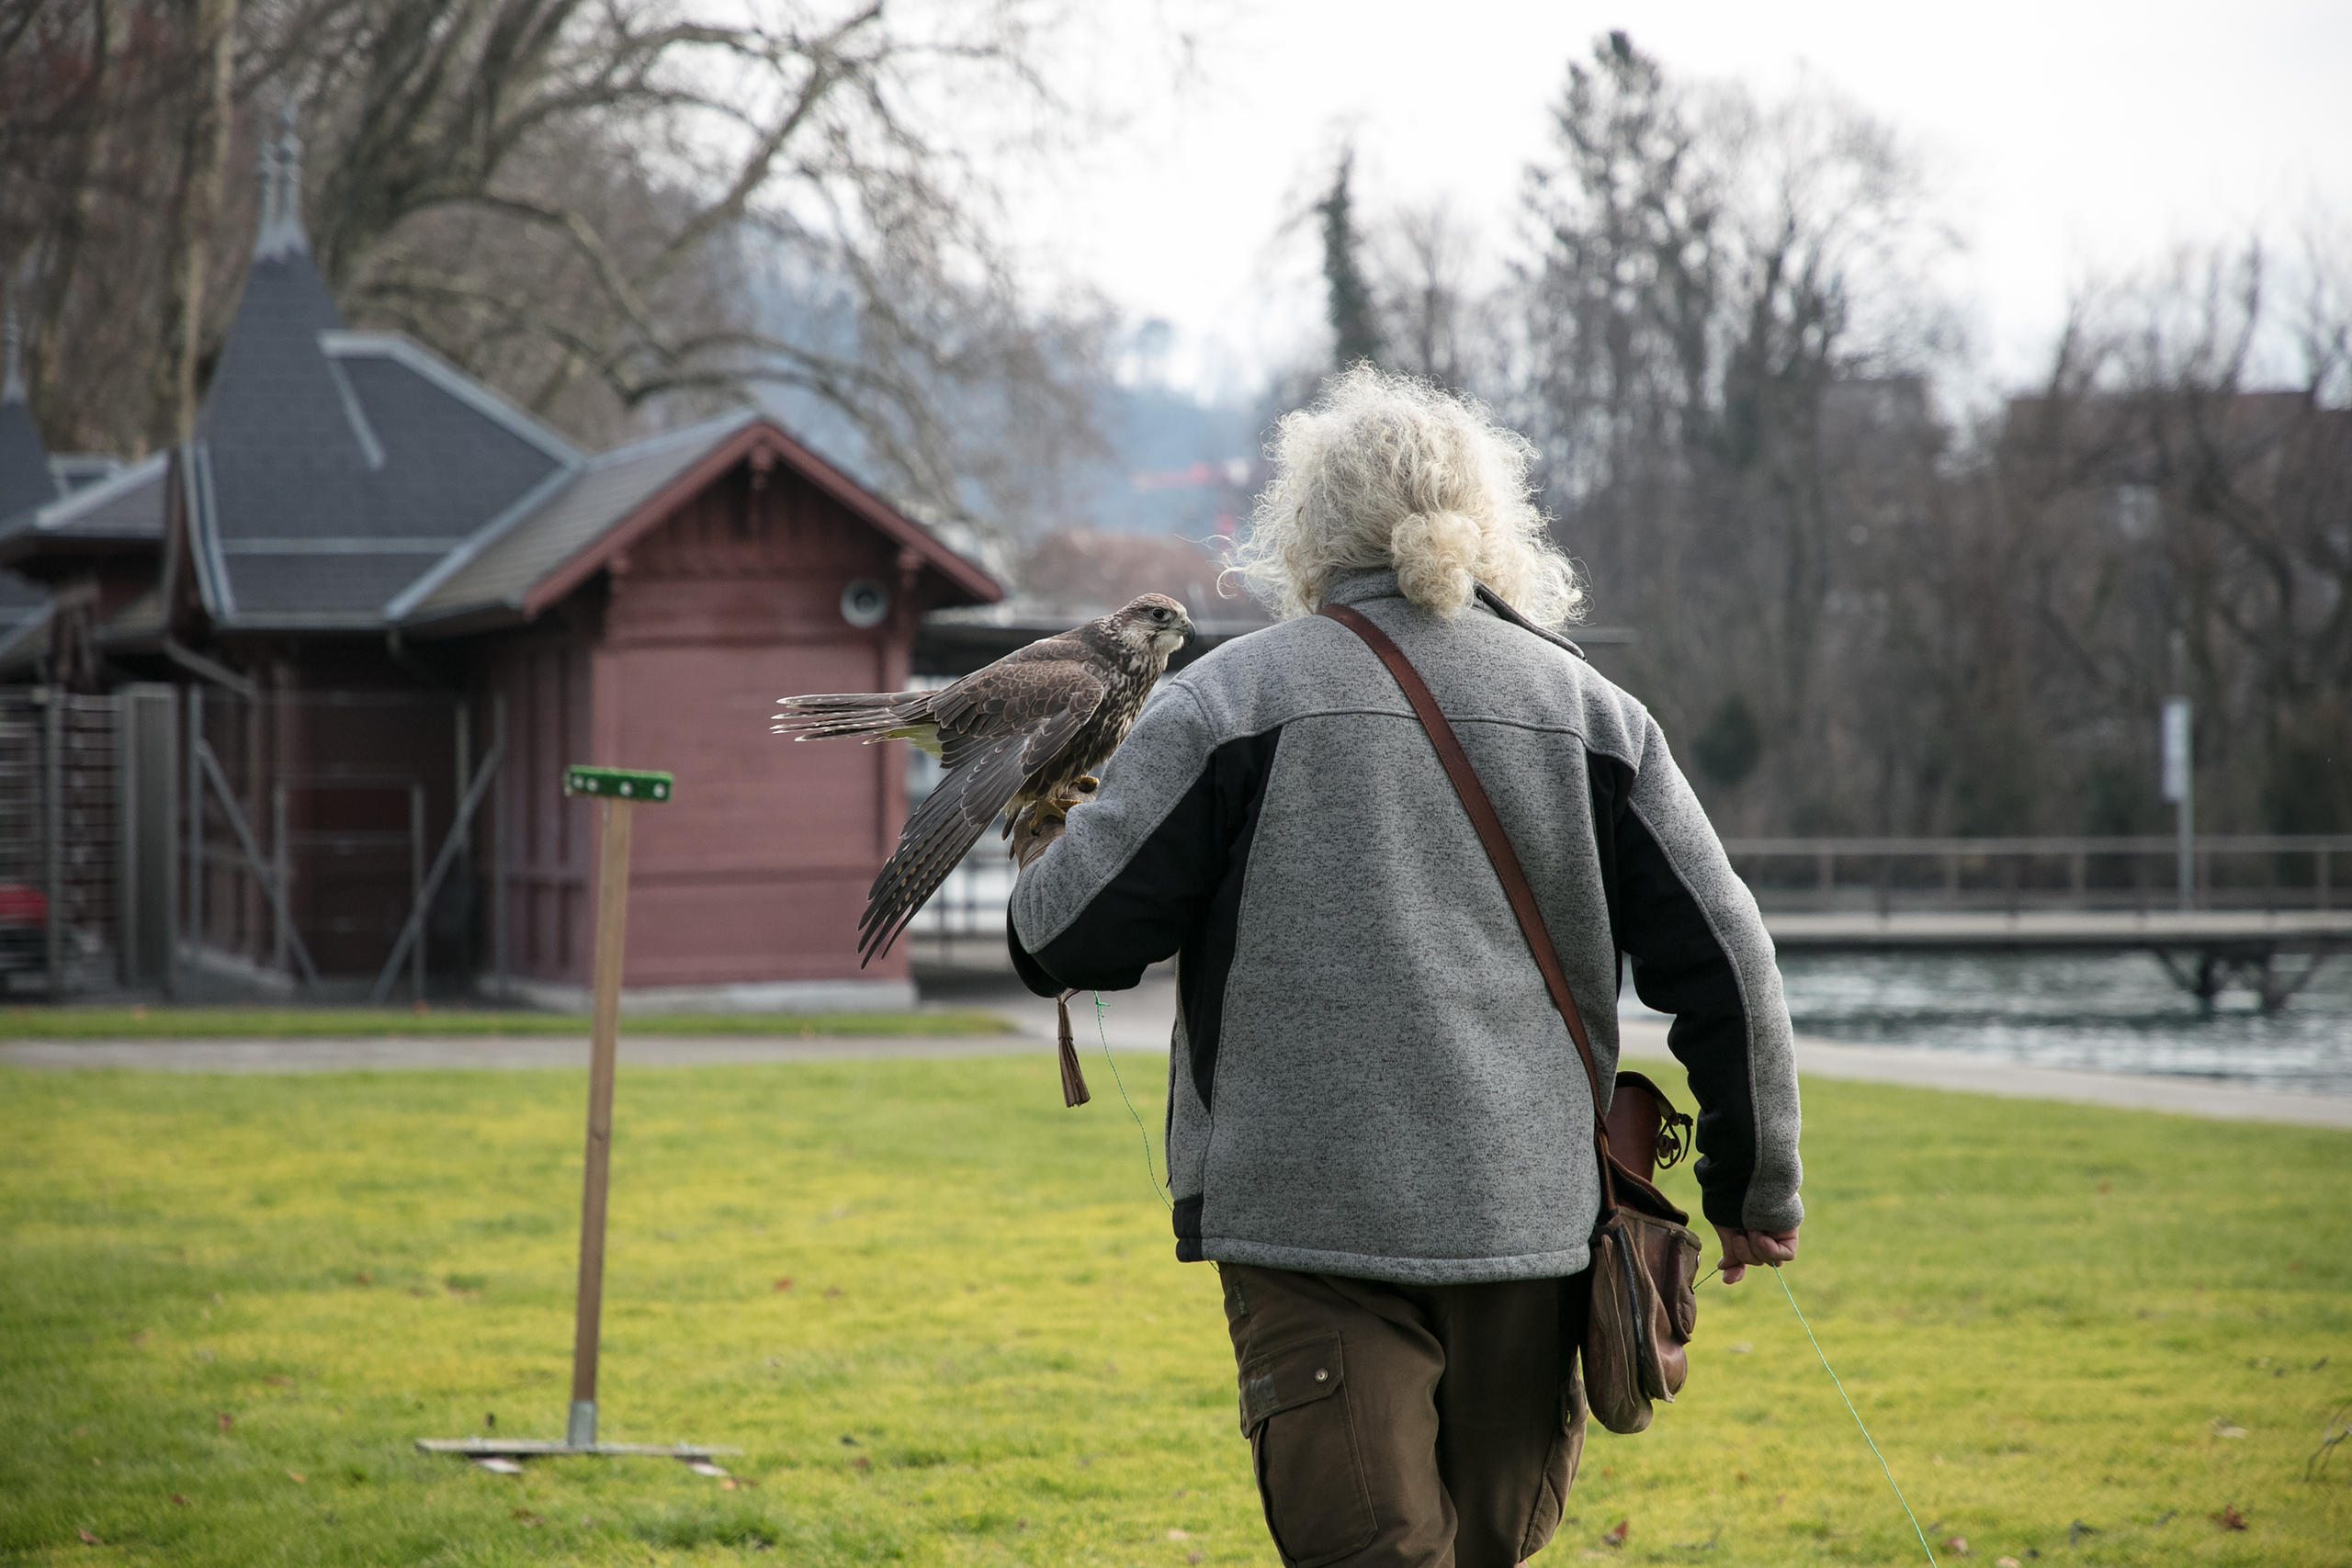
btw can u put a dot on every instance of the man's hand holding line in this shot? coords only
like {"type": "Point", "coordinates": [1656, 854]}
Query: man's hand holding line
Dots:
{"type": "Point", "coordinates": [1761, 1248]}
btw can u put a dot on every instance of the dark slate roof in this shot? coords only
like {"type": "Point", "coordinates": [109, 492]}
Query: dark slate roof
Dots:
{"type": "Point", "coordinates": [125, 508]}
{"type": "Point", "coordinates": [333, 468]}
{"type": "Point", "coordinates": [500, 567]}
{"type": "Point", "coordinates": [272, 393]}
{"type": "Point", "coordinates": [26, 479]}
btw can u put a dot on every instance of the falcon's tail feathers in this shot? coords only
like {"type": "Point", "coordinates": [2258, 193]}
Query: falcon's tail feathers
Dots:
{"type": "Point", "coordinates": [872, 714]}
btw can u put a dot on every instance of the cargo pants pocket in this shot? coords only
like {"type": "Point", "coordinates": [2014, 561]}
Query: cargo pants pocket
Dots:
{"type": "Point", "coordinates": [1304, 1447]}
{"type": "Point", "coordinates": [1559, 1469]}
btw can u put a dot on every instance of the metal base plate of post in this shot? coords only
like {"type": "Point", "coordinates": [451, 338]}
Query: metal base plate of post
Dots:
{"type": "Point", "coordinates": [540, 1448]}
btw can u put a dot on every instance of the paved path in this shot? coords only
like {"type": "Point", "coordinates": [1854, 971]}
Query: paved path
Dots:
{"type": "Point", "coordinates": [1134, 1021]}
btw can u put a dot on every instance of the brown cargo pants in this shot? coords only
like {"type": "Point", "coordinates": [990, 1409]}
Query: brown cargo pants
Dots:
{"type": "Point", "coordinates": [1436, 1426]}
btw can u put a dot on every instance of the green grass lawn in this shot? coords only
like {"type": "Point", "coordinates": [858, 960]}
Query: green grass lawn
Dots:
{"type": "Point", "coordinates": [228, 1304]}
{"type": "Point", "coordinates": [288, 1023]}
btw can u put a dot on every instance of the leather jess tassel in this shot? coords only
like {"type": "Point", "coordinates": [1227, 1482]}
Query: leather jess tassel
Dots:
{"type": "Point", "coordinates": [1074, 1092]}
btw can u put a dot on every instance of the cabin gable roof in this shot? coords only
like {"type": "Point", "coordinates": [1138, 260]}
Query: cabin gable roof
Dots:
{"type": "Point", "coordinates": [526, 561]}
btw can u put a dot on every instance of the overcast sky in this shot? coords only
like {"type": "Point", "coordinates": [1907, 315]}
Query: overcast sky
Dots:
{"type": "Point", "coordinates": [2066, 137]}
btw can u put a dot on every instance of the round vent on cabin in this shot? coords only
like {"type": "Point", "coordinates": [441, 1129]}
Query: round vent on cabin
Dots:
{"type": "Point", "coordinates": [864, 603]}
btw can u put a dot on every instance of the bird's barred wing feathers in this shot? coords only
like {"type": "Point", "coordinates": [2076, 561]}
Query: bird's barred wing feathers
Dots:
{"type": "Point", "coordinates": [1001, 734]}
{"type": "Point", "coordinates": [1018, 694]}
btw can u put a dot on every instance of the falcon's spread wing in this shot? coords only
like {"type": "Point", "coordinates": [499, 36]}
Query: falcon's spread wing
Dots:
{"type": "Point", "coordinates": [998, 728]}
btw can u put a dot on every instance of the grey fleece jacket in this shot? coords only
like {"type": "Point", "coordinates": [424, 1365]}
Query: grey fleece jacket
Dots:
{"type": "Point", "coordinates": [1367, 1078]}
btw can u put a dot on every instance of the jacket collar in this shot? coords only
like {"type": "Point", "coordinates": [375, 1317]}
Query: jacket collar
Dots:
{"type": "Point", "coordinates": [1358, 584]}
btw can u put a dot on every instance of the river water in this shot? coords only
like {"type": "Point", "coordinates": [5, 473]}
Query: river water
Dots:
{"type": "Point", "coordinates": [2110, 1013]}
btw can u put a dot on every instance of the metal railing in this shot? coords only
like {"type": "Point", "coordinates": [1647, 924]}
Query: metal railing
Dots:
{"type": "Point", "coordinates": [2260, 871]}
{"type": "Point", "coordinates": [2251, 871]}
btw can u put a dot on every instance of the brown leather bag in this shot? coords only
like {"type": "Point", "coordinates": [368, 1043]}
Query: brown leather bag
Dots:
{"type": "Point", "coordinates": [1644, 1258]}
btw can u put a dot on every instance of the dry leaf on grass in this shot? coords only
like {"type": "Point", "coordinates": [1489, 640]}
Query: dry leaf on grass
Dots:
{"type": "Point", "coordinates": [1956, 1545]}
{"type": "Point", "coordinates": [2229, 1518]}
{"type": "Point", "coordinates": [499, 1464]}
{"type": "Point", "coordinates": [704, 1466]}
{"type": "Point", "coordinates": [178, 1500]}
{"type": "Point", "coordinates": [1617, 1536]}
{"type": "Point", "coordinates": [297, 1477]}
{"type": "Point", "coordinates": [224, 1419]}
{"type": "Point", "coordinates": [2225, 1427]}
{"type": "Point", "coordinates": [87, 1538]}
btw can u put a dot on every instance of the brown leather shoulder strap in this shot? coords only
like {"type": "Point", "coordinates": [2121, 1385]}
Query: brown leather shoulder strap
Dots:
{"type": "Point", "coordinates": [1489, 827]}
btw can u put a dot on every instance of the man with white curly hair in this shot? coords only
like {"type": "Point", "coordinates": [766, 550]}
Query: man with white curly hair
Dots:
{"type": "Point", "coordinates": [1379, 1127]}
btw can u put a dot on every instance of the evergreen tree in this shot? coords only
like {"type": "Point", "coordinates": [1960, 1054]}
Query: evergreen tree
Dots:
{"type": "Point", "coordinates": [1354, 329]}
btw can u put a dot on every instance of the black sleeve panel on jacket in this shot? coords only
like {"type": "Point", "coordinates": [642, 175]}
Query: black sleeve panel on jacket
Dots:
{"type": "Point", "coordinates": [1032, 974]}
{"type": "Point", "coordinates": [1181, 891]}
{"type": "Point", "coordinates": [1680, 968]}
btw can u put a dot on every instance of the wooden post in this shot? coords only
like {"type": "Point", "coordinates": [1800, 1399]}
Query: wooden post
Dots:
{"type": "Point", "coordinates": [621, 790]}
{"type": "Point", "coordinates": [500, 818]}
{"type": "Point", "coordinates": [282, 877]}
{"type": "Point", "coordinates": [612, 931]}
{"type": "Point", "coordinates": [196, 928]}
{"type": "Point", "coordinates": [416, 885]}
{"type": "Point", "coordinates": [52, 805]}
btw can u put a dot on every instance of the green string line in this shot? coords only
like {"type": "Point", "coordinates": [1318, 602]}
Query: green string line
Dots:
{"type": "Point", "coordinates": [1101, 1006]}
{"type": "Point", "coordinates": [1782, 1275]}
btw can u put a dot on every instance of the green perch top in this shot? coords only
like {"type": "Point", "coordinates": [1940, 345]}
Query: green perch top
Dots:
{"type": "Point", "coordinates": [628, 784]}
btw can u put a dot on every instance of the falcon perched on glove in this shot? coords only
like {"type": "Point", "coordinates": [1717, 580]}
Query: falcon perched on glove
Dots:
{"type": "Point", "coordinates": [1024, 735]}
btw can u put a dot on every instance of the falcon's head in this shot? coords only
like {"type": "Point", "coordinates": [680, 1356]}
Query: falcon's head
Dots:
{"type": "Point", "coordinates": [1152, 623]}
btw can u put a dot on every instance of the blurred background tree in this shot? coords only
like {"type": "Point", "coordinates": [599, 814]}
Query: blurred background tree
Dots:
{"type": "Point", "coordinates": [616, 214]}
{"type": "Point", "coordinates": [1857, 607]}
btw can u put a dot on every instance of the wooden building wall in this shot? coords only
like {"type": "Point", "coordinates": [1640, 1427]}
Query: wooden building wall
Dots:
{"type": "Point", "coordinates": [757, 871]}
{"type": "Point", "coordinates": [543, 842]}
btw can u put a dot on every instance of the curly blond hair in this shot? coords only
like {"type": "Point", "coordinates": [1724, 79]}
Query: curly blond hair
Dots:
{"type": "Point", "coordinates": [1384, 470]}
